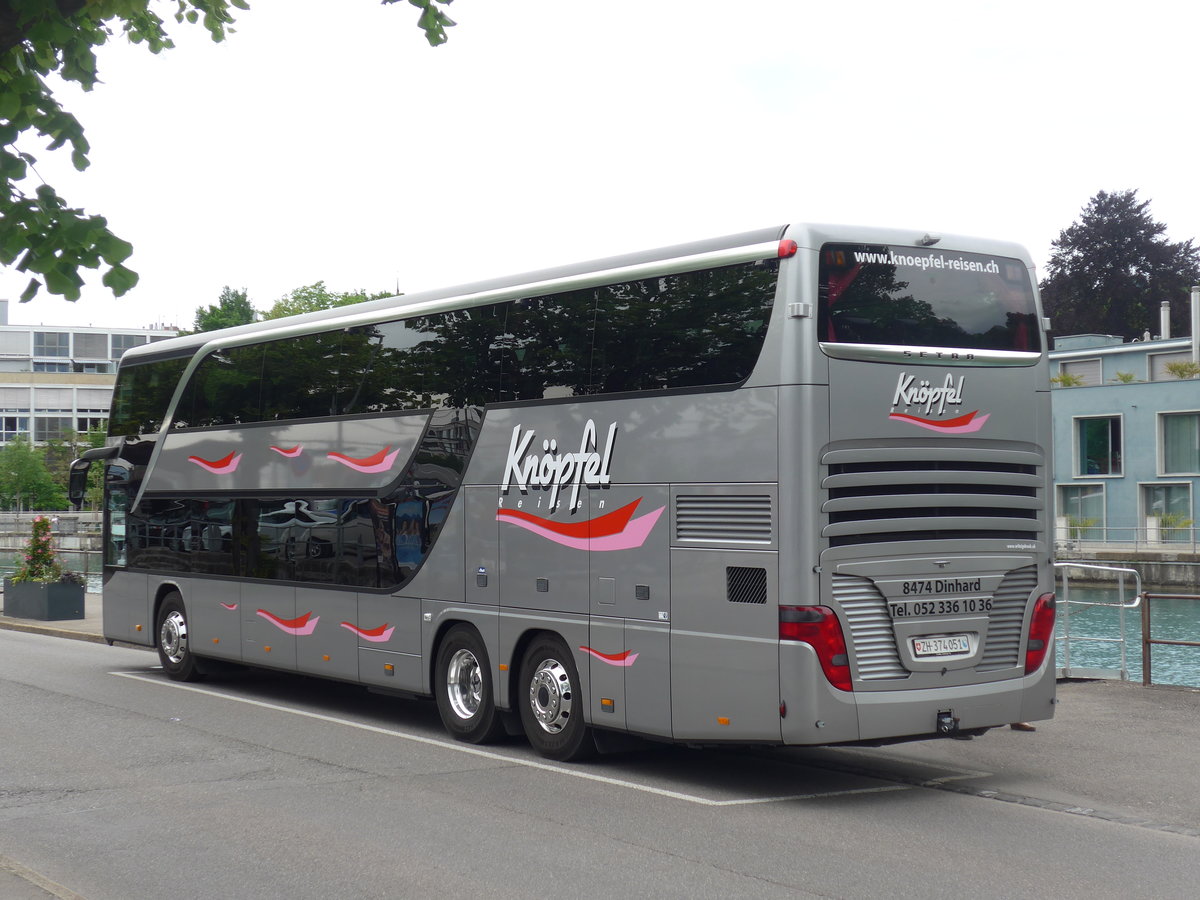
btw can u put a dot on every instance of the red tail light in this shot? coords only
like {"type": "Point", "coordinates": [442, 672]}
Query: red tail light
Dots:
{"type": "Point", "coordinates": [818, 626]}
{"type": "Point", "coordinates": [1041, 633]}
{"type": "Point", "coordinates": [787, 249]}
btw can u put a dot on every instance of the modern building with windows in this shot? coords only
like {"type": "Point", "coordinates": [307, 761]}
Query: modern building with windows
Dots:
{"type": "Point", "coordinates": [56, 379]}
{"type": "Point", "coordinates": [1127, 441]}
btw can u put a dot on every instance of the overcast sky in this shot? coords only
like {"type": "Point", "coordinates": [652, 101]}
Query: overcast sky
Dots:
{"type": "Point", "coordinates": [327, 140]}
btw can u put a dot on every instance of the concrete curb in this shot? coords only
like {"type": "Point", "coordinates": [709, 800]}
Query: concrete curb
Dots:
{"type": "Point", "coordinates": [33, 628]}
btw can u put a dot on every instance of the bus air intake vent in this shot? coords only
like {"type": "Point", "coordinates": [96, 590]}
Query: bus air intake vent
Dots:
{"type": "Point", "coordinates": [930, 494]}
{"type": "Point", "coordinates": [871, 630]}
{"type": "Point", "coordinates": [743, 520]}
{"type": "Point", "coordinates": [1003, 647]}
{"type": "Point", "coordinates": [746, 585]}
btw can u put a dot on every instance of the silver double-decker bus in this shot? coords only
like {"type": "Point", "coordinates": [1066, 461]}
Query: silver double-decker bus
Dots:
{"type": "Point", "coordinates": [789, 486]}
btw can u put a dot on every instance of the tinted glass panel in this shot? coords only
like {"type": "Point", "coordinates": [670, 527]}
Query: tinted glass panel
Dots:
{"type": "Point", "coordinates": [225, 389]}
{"type": "Point", "coordinates": [141, 396]}
{"type": "Point", "coordinates": [926, 298]}
{"type": "Point", "coordinates": [687, 330]}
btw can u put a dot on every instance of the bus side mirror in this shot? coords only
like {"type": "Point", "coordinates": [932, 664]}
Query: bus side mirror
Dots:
{"type": "Point", "coordinates": [77, 484]}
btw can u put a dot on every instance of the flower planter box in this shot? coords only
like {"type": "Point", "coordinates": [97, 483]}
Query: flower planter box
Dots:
{"type": "Point", "coordinates": [40, 600]}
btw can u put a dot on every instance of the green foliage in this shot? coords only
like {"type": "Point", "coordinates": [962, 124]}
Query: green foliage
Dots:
{"type": "Point", "coordinates": [232, 308]}
{"type": "Point", "coordinates": [43, 234]}
{"type": "Point", "coordinates": [1183, 368]}
{"type": "Point", "coordinates": [1077, 527]}
{"type": "Point", "coordinates": [313, 297]}
{"type": "Point", "coordinates": [25, 480]}
{"type": "Point", "coordinates": [1109, 271]}
{"type": "Point", "coordinates": [1125, 378]}
{"type": "Point", "coordinates": [1067, 379]}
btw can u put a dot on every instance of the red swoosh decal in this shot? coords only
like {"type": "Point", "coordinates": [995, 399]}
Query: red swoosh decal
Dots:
{"type": "Point", "coordinates": [216, 465]}
{"type": "Point", "coordinates": [373, 460]}
{"type": "Point", "coordinates": [602, 526]}
{"type": "Point", "coordinates": [624, 660]}
{"type": "Point", "coordinates": [298, 622]}
{"type": "Point", "coordinates": [939, 423]}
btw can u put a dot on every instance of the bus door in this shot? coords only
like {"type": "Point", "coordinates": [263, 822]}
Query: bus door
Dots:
{"type": "Point", "coordinates": [629, 648]}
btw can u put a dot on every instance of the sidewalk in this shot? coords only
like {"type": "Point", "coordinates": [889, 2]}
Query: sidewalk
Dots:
{"type": "Point", "coordinates": [89, 628]}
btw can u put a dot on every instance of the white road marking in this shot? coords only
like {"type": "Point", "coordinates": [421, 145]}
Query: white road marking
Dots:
{"type": "Point", "coordinates": [459, 747]}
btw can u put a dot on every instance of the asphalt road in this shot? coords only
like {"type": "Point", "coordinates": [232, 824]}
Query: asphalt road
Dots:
{"type": "Point", "coordinates": [117, 784]}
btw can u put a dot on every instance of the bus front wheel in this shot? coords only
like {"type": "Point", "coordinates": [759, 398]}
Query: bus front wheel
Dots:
{"type": "Point", "coordinates": [463, 688]}
{"type": "Point", "coordinates": [552, 703]}
{"type": "Point", "coordinates": [176, 656]}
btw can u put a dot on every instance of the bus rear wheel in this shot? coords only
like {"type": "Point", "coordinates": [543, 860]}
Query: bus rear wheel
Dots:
{"type": "Point", "coordinates": [463, 688]}
{"type": "Point", "coordinates": [552, 703]}
{"type": "Point", "coordinates": [176, 656]}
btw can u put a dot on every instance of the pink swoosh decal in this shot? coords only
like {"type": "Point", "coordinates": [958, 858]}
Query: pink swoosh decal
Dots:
{"type": "Point", "coordinates": [290, 452]}
{"type": "Point", "coordinates": [378, 462]}
{"type": "Point", "coordinates": [626, 659]}
{"type": "Point", "coordinates": [229, 606]}
{"type": "Point", "coordinates": [222, 466]}
{"type": "Point", "coordinates": [303, 625]}
{"type": "Point", "coordinates": [378, 635]}
{"type": "Point", "coordinates": [634, 534]}
{"type": "Point", "coordinates": [610, 523]}
{"type": "Point", "coordinates": [962, 425]}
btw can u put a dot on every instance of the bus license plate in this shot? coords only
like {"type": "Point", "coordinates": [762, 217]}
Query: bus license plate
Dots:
{"type": "Point", "coordinates": [944, 645]}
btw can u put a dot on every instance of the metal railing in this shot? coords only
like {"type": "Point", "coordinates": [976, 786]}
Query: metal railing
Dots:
{"type": "Point", "coordinates": [1148, 642]}
{"type": "Point", "coordinates": [1120, 604]}
{"type": "Point", "coordinates": [1156, 538]}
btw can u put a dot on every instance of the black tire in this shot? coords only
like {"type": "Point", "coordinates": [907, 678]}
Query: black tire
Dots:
{"type": "Point", "coordinates": [171, 629]}
{"type": "Point", "coordinates": [463, 687]}
{"type": "Point", "coordinates": [552, 702]}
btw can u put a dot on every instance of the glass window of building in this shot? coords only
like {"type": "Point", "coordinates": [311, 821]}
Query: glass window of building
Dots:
{"type": "Point", "coordinates": [1168, 510]}
{"type": "Point", "coordinates": [89, 345]}
{"type": "Point", "coordinates": [123, 342]}
{"type": "Point", "coordinates": [52, 428]}
{"type": "Point", "coordinates": [1082, 505]}
{"type": "Point", "coordinates": [1098, 446]}
{"type": "Point", "coordinates": [51, 343]}
{"type": "Point", "coordinates": [1179, 438]}
{"type": "Point", "coordinates": [12, 426]}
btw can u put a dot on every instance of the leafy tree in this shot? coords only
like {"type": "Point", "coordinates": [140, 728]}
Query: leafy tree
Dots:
{"type": "Point", "coordinates": [43, 234]}
{"type": "Point", "coordinates": [232, 308]}
{"type": "Point", "coordinates": [25, 482]}
{"type": "Point", "coordinates": [1109, 271]}
{"type": "Point", "coordinates": [313, 297]}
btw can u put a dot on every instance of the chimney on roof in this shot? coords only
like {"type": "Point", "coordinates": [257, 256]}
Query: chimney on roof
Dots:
{"type": "Point", "coordinates": [1164, 319]}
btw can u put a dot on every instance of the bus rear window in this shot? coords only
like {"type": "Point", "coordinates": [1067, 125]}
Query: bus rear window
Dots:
{"type": "Point", "coordinates": [891, 295]}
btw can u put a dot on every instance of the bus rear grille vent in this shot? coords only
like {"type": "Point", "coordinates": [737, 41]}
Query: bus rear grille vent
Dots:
{"type": "Point", "coordinates": [740, 519]}
{"type": "Point", "coordinates": [871, 631]}
{"type": "Point", "coordinates": [746, 585]}
{"type": "Point", "coordinates": [907, 498]}
{"type": "Point", "coordinates": [1002, 650]}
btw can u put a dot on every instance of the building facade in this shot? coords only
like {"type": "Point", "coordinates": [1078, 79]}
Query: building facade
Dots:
{"type": "Point", "coordinates": [55, 380]}
{"type": "Point", "coordinates": [1127, 441]}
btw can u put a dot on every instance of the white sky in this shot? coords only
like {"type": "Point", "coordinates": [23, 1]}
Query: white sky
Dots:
{"type": "Point", "coordinates": [327, 140]}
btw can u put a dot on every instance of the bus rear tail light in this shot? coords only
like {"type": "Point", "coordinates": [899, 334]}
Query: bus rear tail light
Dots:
{"type": "Point", "coordinates": [1041, 633]}
{"type": "Point", "coordinates": [787, 249]}
{"type": "Point", "coordinates": [818, 626]}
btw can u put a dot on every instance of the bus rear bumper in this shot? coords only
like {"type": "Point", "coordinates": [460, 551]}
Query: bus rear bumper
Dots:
{"type": "Point", "coordinates": [818, 713]}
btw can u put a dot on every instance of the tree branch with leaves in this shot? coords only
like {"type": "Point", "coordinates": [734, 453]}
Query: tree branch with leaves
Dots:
{"type": "Point", "coordinates": [43, 234]}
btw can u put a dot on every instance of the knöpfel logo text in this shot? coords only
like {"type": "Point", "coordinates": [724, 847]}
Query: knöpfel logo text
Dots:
{"type": "Point", "coordinates": [557, 470]}
{"type": "Point", "coordinates": [925, 405]}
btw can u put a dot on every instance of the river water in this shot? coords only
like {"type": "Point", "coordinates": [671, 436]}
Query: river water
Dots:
{"type": "Point", "coordinates": [1176, 620]}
